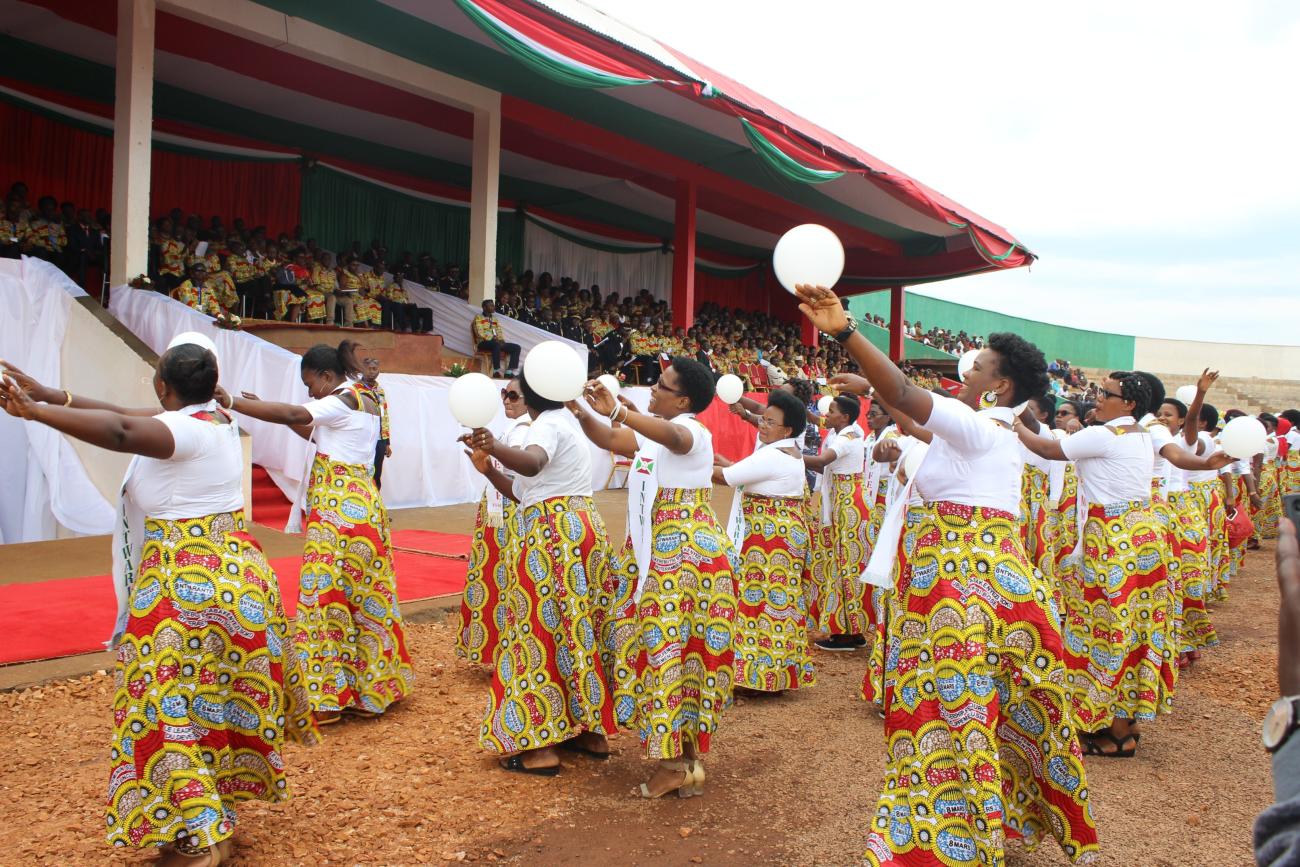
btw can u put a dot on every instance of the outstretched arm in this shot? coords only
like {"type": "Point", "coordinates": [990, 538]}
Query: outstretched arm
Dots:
{"type": "Point", "coordinates": [619, 440]}
{"type": "Point", "coordinates": [1185, 460]}
{"type": "Point", "coordinates": [59, 397]}
{"type": "Point", "coordinates": [1044, 446]}
{"type": "Point", "coordinates": [676, 437]}
{"type": "Point", "coordinates": [824, 310]}
{"type": "Point", "coordinates": [1191, 424]}
{"type": "Point", "coordinates": [526, 461]}
{"type": "Point", "coordinates": [99, 427]}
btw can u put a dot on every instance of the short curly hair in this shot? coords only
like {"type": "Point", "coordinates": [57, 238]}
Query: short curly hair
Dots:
{"type": "Point", "coordinates": [1134, 387]}
{"type": "Point", "coordinates": [1157, 387]}
{"type": "Point", "coordinates": [793, 413]}
{"type": "Point", "coordinates": [1022, 362]}
{"type": "Point", "coordinates": [696, 382]}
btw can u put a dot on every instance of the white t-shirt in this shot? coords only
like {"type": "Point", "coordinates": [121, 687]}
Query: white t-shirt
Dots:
{"type": "Point", "coordinates": [1210, 447]}
{"type": "Point", "coordinates": [1112, 468]}
{"type": "Point", "coordinates": [691, 470]}
{"type": "Point", "coordinates": [202, 477]}
{"type": "Point", "coordinates": [1161, 469]}
{"type": "Point", "coordinates": [568, 466]}
{"type": "Point", "coordinates": [973, 460]}
{"type": "Point", "coordinates": [347, 435]}
{"type": "Point", "coordinates": [768, 472]}
{"type": "Point", "coordinates": [849, 447]}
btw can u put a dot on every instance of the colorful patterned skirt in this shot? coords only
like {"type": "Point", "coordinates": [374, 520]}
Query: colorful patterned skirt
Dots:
{"type": "Point", "coordinates": [367, 311]}
{"type": "Point", "coordinates": [771, 626]}
{"type": "Point", "coordinates": [1289, 477]}
{"type": "Point", "coordinates": [1216, 521]}
{"type": "Point", "coordinates": [490, 557]}
{"type": "Point", "coordinates": [980, 743]}
{"type": "Point", "coordinates": [208, 687]}
{"type": "Point", "coordinates": [1167, 521]}
{"type": "Point", "coordinates": [1117, 618]}
{"type": "Point", "coordinates": [1067, 517]}
{"type": "Point", "coordinates": [549, 683]}
{"type": "Point", "coordinates": [1035, 527]}
{"type": "Point", "coordinates": [348, 617]}
{"type": "Point", "coordinates": [315, 310]}
{"type": "Point", "coordinates": [1197, 632]}
{"type": "Point", "coordinates": [1267, 517]}
{"type": "Point", "coordinates": [839, 556]}
{"type": "Point", "coordinates": [674, 651]}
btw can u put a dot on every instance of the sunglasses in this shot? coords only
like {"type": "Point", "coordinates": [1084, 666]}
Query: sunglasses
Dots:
{"type": "Point", "coordinates": [1105, 394]}
{"type": "Point", "coordinates": [1061, 412]}
{"type": "Point", "coordinates": [659, 383]}
{"type": "Point", "coordinates": [507, 394]}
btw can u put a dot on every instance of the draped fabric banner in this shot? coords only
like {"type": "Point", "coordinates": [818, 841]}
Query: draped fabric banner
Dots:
{"type": "Point", "coordinates": [44, 481]}
{"type": "Point", "coordinates": [625, 273]}
{"type": "Point", "coordinates": [339, 208]}
{"type": "Point", "coordinates": [75, 164]}
{"type": "Point", "coordinates": [452, 318]}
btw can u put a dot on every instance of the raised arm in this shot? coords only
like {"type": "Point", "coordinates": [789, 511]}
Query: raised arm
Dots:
{"type": "Point", "coordinates": [99, 427]}
{"type": "Point", "coordinates": [1185, 460]}
{"type": "Point", "coordinates": [619, 440]}
{"type": "Point", "coordinates": [906, 424]}
{"type": "Point", "coordinates": [675, 437]}
{"type": "Point", "coordinates": [824, 310]}
{"type": "Point", "coordinates": [268, 410]}
{"type": "Point", "coordinates": [1191, 424]}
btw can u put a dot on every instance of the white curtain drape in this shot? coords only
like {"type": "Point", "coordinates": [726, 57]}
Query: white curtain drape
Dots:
{"type": "Point", "coordinates": [624, 273]}
{"type": "Point", "coordinates": [452, 318]}
{"type": "Point", "coordinates": [45, 483]}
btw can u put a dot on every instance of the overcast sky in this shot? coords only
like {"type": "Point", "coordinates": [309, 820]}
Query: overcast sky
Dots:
{"type": "Point", "coordinates": [1146, 151]}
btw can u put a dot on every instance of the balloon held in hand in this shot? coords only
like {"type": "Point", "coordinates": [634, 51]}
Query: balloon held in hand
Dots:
{"type": "Point", "coordinates": [555, 371]}
{"type": "Point", "coordinates": [730, 388]}
{"type": "Point", "coordinates": [1243, 437]}
{"type": "Point", "coordinates": [474, 400]}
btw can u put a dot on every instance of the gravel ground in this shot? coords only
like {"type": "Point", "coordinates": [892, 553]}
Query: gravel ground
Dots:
{"type": "Point", "coordinates": [792, 780]}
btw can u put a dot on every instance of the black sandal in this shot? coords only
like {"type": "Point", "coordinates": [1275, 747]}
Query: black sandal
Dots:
{"type": "Point", "coordinates": [516, 763]}
{"type": "Point", "coordinates": [572, 746]}
{"type": "Point", "coordinates": [1091, 747]}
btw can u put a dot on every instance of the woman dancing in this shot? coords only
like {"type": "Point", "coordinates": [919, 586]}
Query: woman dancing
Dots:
{"type": "Point", "coordinates": [208, 684]}
{"type": "Point", "coordinates": [490, 554]}
{"type": "Point", "coordinates": [348, 618]}
{"type": "Point", "coordinates": [674, 635]}
{"type": "Point", "coordinates": [979, 737]}
{"type": "Point", "coordinates": [843, 602]}
{"type": "Point", "coordinates": [549, 688]}
{"type": "Point", "coordinates": [767, 528]}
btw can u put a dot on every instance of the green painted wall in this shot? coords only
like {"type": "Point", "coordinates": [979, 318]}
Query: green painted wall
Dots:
{"type": "Point", "coordinates": [1080, 347]}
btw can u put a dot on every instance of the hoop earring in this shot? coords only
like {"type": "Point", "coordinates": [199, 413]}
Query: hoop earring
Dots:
{"type": "Point", "coordinates": [988, 400]}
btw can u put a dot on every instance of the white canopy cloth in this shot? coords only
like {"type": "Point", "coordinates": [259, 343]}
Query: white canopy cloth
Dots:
{"type": "Point", "coordinates": [44, 481]}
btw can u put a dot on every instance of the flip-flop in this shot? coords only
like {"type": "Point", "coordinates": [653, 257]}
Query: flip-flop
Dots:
{"type": "Point", "coordinates": [1092, 748]}
{"type": "Point", "coordinates": [516, 763]}
{"type": "Point", "coordinates": [572, 746]}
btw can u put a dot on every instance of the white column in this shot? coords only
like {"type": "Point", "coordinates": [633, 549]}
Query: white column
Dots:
{"type": "Point", "coordinates": [484, 187]}
{"type": "Point", "coordinates": [132, 146]}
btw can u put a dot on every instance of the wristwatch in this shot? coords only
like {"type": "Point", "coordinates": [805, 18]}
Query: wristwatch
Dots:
{"type": "Point", "coordinates": [1283, 718]}
{"type": "Point", "coordinates": [844, 335]}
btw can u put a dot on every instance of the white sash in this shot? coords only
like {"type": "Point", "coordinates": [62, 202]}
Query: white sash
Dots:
{"type": "Point", "coordinates": [880, 566]}
{"type": "Point", "coordinates": [736, 520]}
{"type": "Point", "coordinates": [496, 501]}
{"type": "Point", "coordinates": [642, 489]}
{"type": "Point", "coordinates": [128, 537]}
{"type": "Point", "coordinates": [299, 508]}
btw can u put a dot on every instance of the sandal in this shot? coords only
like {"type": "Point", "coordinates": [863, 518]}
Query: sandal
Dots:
{"type": "Point", "coordinates": [1092, 747]}
{"type": "Point", "coordinates": [191, 856]}
{"type": "Point", "coordinates": [572, 746]}
{"type": "Point", "coordinates": [687, 787]}
{"type": "Point", "coordinates": [516, 763]}
{"type": "Point", "coordinates": [328, 718]}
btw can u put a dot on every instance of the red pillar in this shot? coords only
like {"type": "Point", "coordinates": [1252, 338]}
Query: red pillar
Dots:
{"type": "Point", "coordinates": [808, 332]}
{"type": "Point", "coordinates": [683, 301]}
{"type": "Point", "coordinates": [896, 323]}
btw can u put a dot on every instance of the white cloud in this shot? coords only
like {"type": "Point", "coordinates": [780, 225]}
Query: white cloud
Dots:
{"type": "Point", "coordinates": [1160, 126]}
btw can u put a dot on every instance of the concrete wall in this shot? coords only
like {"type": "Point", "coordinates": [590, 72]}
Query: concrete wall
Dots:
{"type": "Point", "coordinates": [1231, 359]}
{"type": "Point", "coordinates": [102, 360]}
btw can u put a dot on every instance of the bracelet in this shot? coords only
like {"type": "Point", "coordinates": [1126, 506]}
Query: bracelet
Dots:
{"type": "Point", "coordinates": [625, 412]}
{"type": "Point", "coordinates": [231, 405]}
{"type": "Point", "coordinates": [67, 402]}
{"type": "Point", "coordinates": [613, 412]}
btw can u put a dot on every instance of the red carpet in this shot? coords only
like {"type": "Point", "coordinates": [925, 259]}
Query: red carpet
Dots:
{"type": "Point", "coordinates": [47, 619]}
{"type": "Point", "coordinates": [270, 505]}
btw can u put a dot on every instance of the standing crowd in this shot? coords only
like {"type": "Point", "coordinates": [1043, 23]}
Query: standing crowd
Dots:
{"type": "Point", "coordinates": [1024, 579]}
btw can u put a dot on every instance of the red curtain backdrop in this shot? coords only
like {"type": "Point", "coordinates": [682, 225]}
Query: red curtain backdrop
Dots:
{"type": "Point", "coordinates": [757, 291]}
{"type": "Point", "coordinates": [74, 164]}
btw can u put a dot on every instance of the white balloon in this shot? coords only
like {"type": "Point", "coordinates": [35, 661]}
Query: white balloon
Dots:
{"type": "Point", "coordinates": [474, 400]}
{"type": "Point", "coordinates": [1243, 437]}
{"type": "Point", "coordinates": [555, 371]}
{"type": "Point", "coordinates": [610, 381]}
{"type": "Point", "coordinates": [730, 388]}
{"type": "Point", "coordinates": [912, 460]}
{"type": "Point", "coordinates": [808, 254]}
{"type": "Point", "coordinates": [966, 362]}
{"type": "Point", "coordinates": [1186, 394]}
{"type": "Point", "coordinates": [824, 404]}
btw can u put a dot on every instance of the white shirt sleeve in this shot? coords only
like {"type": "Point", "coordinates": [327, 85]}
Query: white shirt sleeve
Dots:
{"type": "Point", "coordinates": [1091, 442]}
{"type": "Point", "coordinates": [186, 434]}
{"type": "Point", "coordinates": [545, 435]}
{"type": "Point", "coordinates": [698, 434]}
{"type": "Point", "coordinates": [960, 426]}
{"type": "Point", "coordinates": [762, 465]}
{"type": "Point", "coordinates": [329, 411]}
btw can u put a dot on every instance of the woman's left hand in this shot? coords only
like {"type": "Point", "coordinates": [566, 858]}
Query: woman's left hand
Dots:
{"type": "Point", "coordinates": [822, 307]}
{"type": "Point", "coordinates": [598, 397]}
{"type": "Point", "coordinates": [850, 383]}
{"type": "Point", "coordinates": [17, 402]}
{"type": "Point", "coordinates": [34, 389]}
{"type": "Point", "coordinates": [481, 440]}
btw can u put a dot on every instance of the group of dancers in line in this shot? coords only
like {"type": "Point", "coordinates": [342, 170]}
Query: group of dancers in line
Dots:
{"type": "Point", "coordinates": [1027, 595]}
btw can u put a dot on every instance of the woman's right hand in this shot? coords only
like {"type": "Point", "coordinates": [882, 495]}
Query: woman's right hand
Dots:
{"type": "Point", "coordinates": [822, 307]}
{"type": "Point", "coordinates": [851, 383]}
{"type": "Point", "coordinates": [1207, 378]}
{"type": "Point", "coordinates": [16, 401]}
{"type": "Point", "coordinates": [482, 461]}
{"type": "Point", "coordinates": [599, 397]}
{"type": "Point", "coordinates": [33, 389]}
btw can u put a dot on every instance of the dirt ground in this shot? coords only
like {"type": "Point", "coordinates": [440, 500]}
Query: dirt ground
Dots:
{"type": "Point", "coordinates": [792, 780]}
